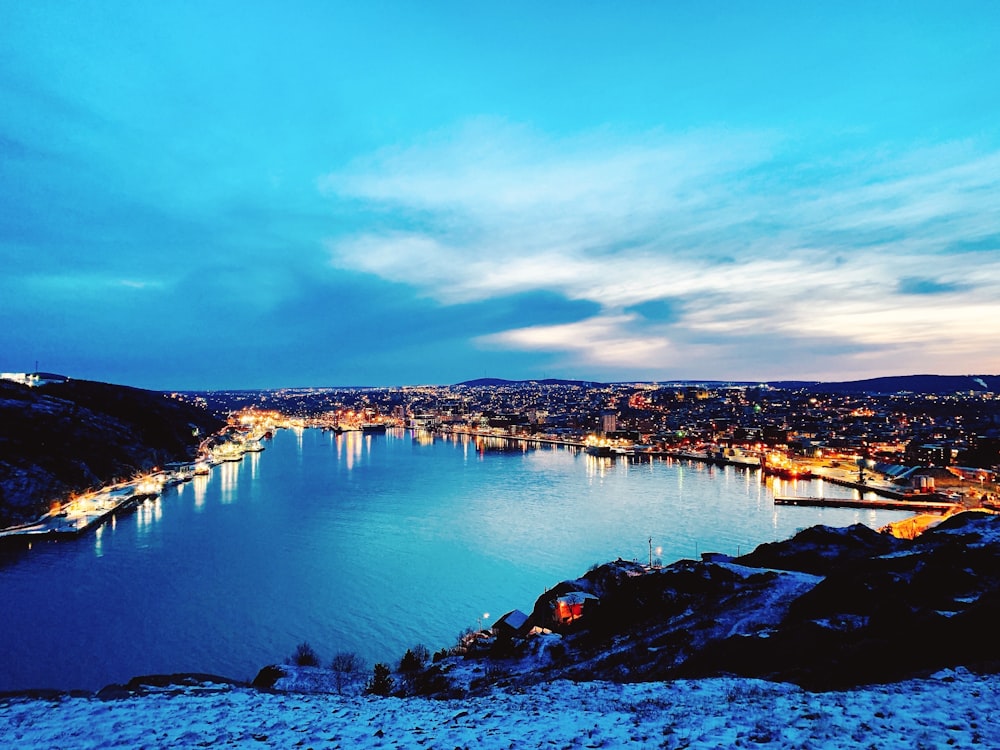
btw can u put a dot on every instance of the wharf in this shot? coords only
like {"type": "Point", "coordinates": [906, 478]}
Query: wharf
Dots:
{"type": "Point", "coordinates": [846, 479]}
{"type": "Point", "coordinates": [706, 458]}
{"type": "Point", "coordinates": [825, 474]}
{"type": "Point", "coordinates": [525, 439]}
{"type": "Point", "coordinates": [880, 504]}
{"type": "Point", "coordinates": [75, 523]}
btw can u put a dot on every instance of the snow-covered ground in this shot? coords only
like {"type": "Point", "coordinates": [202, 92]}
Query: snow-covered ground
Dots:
{"type": "Point", "coordinates": [952, 709]}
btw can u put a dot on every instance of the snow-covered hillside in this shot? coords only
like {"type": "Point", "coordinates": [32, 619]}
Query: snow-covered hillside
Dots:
{"type": "Point", "coordinates": [951, 709]}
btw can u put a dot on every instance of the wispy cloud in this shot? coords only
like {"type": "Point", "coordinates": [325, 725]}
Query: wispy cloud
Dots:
{"type": "Point", "coordinates": [606, 341]}
{"type": "Point", "coordinates": [919, 285]}
{"type": "Point", "coordinates": [49, 286]}
{"type": "Point", "coordinates": [740, 236]}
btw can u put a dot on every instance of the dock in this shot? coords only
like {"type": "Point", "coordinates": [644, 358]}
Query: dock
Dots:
{"type": "Point", "coordinates": [68, 525]}
{"type": "Point", "coordinates": [914, 506]}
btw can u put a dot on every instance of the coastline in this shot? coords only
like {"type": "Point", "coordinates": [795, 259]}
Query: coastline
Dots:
{"type": "Point", "coordinates": [575, 464]}
{"type": "Point", "coordinates": [718, 712]}
{"type": "Point", "coordinates": [90, 510]}
{"type": "Point", "coordinates": [826, 474]}
{"type": "Point", "coordinates": [73, 518]}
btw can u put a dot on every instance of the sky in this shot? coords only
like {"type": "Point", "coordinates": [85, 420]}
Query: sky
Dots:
{"type": "Point", "coordinates": [254, 195]}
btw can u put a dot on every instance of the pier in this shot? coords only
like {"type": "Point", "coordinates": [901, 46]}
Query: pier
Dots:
{"type": "Point", "coordinates": [88, 513]}
{"type": "Point", "coordinates": [90, 510]}
{"type": "Point", "coordinates": [914, 506]}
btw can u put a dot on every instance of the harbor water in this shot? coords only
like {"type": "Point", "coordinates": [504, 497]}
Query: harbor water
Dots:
{"type": "Point", "coordinates": [363, 543]}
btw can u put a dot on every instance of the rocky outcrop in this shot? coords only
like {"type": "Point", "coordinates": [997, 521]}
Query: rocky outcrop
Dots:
{"type": "Point", "coordinates": [62, 438]}
{"type": "Point", "coordinates": [827, 609]}
{"type": "Point", "coordinates": [822, 549]}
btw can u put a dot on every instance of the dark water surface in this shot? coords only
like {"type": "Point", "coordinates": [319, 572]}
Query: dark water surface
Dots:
{"type": "Point", "coordinates": [365, 543]}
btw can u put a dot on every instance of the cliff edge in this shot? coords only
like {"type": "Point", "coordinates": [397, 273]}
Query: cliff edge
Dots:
{"type": "Point", "coordinates": [61, 438]}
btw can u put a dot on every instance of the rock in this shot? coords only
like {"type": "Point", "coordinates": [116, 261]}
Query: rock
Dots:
{"type": "Point", "coordinates": [822, 549]}
{"type": "Point", "coordinates": [267, 676]}
{"type": "Point", "coordinates": [113, 693]}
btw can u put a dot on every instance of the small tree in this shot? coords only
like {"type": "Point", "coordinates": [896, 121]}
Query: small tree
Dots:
{"type": "Point", "coordinates": [304, 656]}
{"type": "Point", "coordinates": [414, 659]}
{"type": "Point", "coordinates": [465, 637]}
{"type": "Point", "coordinates": [381, 682]}
{"type": "Point", "coordinates": [347, 668]}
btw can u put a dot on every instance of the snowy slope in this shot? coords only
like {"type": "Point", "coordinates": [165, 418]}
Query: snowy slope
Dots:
{"type": "Point", "coordinates": [953, 708]}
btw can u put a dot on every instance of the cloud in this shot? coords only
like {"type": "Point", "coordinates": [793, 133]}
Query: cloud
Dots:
{"type": "Point", "coordinates": [603, 340]}
{"type": "Point", "coordinates": [49, 287]}
{"type": "Point", "coordinates": [742, 234]}
{"type": "Point", "coordinates": [918, 285]}
{"type": "Point", "coordinates": [662, 310]}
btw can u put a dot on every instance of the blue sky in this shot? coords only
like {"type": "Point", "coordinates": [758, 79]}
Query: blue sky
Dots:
{"type": "Point", "coordinates": [213, 195]}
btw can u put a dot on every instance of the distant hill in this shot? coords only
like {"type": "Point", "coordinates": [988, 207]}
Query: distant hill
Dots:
{"type": "Point", "coordinates": [61, 438]}
{"type": "Point", "coordinates": [794, 385]}
{"type": "Point", "coordinates": [893, 384]}
{"type": "Point", "coordinates": [914, 384]}
{"type": "Point", "coordinates": [488, 382]}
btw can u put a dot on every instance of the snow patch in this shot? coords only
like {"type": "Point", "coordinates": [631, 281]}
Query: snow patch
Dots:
{"type": "Point", "coordinates": [949, 709]}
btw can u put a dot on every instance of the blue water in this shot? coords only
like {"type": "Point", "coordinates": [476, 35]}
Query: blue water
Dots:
{"type": "Point", "coordinates": [364, 543]}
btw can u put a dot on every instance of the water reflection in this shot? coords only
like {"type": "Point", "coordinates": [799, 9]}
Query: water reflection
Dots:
{"type": "Point", "coordinates": [200, 486]}
{"type": "Point", "coordinates": [229, 474]}
{"type": "Point", "coordinates": [494, 444]}
{"type": "Point", "coordinates": [148, 513]}
{"type": "Point", "coordinates": [598, 466]}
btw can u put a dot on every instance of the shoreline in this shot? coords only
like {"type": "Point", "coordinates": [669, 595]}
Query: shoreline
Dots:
{"type": "Point", "coordinates": [79, 515]}
{"type": "Point", "coordinates": [122, 498]}
{"type": "Point", "coordinates": [570, 459]}
{"type": "Point", "coordinates": [877, 487]}
{"type": "Point", "coordinates": [73, 524]}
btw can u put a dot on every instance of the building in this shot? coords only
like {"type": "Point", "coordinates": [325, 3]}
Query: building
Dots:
{"type": "Point", "coordinates": [33, 379]}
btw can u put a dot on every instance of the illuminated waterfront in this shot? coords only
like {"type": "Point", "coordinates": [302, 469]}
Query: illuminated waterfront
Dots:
{"type": "Point", "coordinates": [366, 543]}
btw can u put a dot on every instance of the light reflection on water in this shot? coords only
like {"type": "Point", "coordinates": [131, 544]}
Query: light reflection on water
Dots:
{"type": "Point", "coordinates": [200, 486]}
{"type": "Point", "coordinates": [229, 472]}
{"type": "Point", "coordinates": [365, 543]}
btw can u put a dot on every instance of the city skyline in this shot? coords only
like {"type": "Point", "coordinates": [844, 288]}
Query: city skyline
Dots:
{"type": "Point", "coordinates": [216, 196]}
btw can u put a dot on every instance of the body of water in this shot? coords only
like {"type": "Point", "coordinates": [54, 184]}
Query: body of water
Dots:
{"type": "Point", "coordinates": [363, 543]}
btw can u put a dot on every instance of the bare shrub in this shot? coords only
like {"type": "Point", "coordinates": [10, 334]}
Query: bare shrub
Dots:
{"type": "Point", "coordinates": [305, 656]}
{"type": "Point", "coordinates": [347, 668]}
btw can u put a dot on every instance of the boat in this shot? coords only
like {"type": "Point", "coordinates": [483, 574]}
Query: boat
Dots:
{"type": "Point", "coordinates": [785, 472]}
{"type": "Point", "coordinates": [373, 428]}
{"type": "Point", "coordinates": [737, 457]}
{"type": "Point", "coordinates": [598, 450]}
{"type": "Point", "coordinates": [776, 465]}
